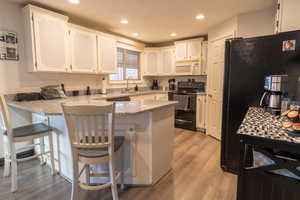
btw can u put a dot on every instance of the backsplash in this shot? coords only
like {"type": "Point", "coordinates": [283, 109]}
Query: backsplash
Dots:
{"type": "Point", "coordinates": [163, 81]}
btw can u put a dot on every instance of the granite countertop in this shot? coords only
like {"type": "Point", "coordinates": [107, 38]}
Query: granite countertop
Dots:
{"type": "Point", "coordinates": [53, 107]}
{"type": "Point", "coordinates": [259, 123]}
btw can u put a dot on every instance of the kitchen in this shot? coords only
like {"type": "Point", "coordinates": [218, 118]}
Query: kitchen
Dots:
{"type": "Point", "coordinates": [167, 85]}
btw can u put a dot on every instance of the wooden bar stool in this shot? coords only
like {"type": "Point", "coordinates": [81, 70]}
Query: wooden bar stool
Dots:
{"type": "Point", "coordinates": [22, 134]}
{"type": "Point", "coordinates": [91, 131]}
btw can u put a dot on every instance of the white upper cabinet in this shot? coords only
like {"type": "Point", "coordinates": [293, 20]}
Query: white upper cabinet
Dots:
{"type": "Point", "coordinates": [188, 50]}
{"type": "Point", "coordinates": [107, 50]}
{"type": "Point", "coordinates": [151, 62]}
{"type": "Point", "coordinates": [181, 51]}
{"type": "Point", "coordinates": [194, 49]}
{"type": "Point", "coordinates": [83, 50]}
{"type": "Point", "coordinates": [287, 18]}
{"type": "Point", "coordinates": [167, 61]}
{"type": "Point", "coordinates": [46, 40]}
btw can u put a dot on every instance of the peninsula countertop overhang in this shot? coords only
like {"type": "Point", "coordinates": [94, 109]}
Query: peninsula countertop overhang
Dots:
{"type": "Point", "coordinates": [53, 107]}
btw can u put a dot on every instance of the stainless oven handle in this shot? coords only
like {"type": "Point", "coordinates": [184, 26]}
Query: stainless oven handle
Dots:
{"type": "Point", "coordinates": [183, 121]}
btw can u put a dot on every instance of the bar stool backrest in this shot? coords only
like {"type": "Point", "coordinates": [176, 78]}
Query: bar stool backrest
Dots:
{"type": "Point", "coordinates": [5, 124]}
{"type": "Point", "coordinates": [90, 126]}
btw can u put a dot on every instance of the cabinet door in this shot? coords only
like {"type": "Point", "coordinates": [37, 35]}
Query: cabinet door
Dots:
{"type": "Point", "coordinates": [151, 62]}
{"type": "Point", "coordinates": [204, 58]}
{"type": "Point", "coordinates": [51, 43]}
{"type": "Point", "coordinates": [83, 51]}
{"type": "Point", "coordinates": [181, 51]}
{"type": "Point", "coordinates": [288, 15]}
{"type": "Point", "coordinates": [167, 64]}
{"type": "Point", "coordinates": [194, 49]}
{"type": "Point", "coordinates": [201, 104]}
{"type": "Point", "coordinates": [107, 48]}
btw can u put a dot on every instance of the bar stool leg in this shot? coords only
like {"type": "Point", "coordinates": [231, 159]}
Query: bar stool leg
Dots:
{"type": "Point", "coordinates": [87, 174]}
{"type": "Point", "coordinates": [51, 154]}
{"type": "Point", "coordinates": [7, 164]}
{"type": "Point", "coordinates": [42, 150]}
{"type": "Point", "coordinates": [58, 153]}
{"type": "Point", "coordinates": [14, 165]}
{"type": "Point", "coordinates": [113, 178]}
{"type": "Point", "coordinates": [123, 168]}
{"type": "Point", "coordinates": [7, 160]}
{"type": "Point", "coordinates": [75, 184]}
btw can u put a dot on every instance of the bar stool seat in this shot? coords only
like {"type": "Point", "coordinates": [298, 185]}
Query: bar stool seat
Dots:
{"type": "Point", "coordinates": [103, 151]}
{"type": "Point", "coordinates": [30, 130]}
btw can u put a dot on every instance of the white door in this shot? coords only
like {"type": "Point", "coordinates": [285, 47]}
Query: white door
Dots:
{"type": "Point", "coordinates": [167, 64]}
{"type": "Point", "coordinates": [201, 105]}
{"type": "Point", "coordinates": [107, 50]}
{"type": "Point", "coordinates": [83, 51]}
{"type": "Point", "coordinates": [152, 62]}
{"type": "Point", "coordinates": [216, 53]}
{"type": "Point", "coordinates": [181, 52]}
{"type": "Point", "coordinates": [194, 49]}
{"type": "Point", "coordinates": [51, 43]}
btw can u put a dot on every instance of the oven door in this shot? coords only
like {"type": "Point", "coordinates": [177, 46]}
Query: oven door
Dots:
{"type": "Point", "coordinates": [185, 119]}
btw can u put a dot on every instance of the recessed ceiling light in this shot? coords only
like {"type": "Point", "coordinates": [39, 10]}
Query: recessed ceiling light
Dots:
{"type": "Point", "coordinates": [199, 17]}
{"type": "Point", "coordinates": [135, 34]}
{"type": "Point", "coordinates": [74, 1]}
{"type": "Point", "coordinates": [124, 21]}
{"type": "Point", "coordinates": [173, 34]}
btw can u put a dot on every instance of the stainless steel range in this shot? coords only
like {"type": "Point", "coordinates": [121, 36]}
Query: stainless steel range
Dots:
{"type": "Point", "coordinates": [186, 109]}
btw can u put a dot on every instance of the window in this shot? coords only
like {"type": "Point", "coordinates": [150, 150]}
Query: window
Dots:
{"type": "Point", "coordinates": [128, 66]}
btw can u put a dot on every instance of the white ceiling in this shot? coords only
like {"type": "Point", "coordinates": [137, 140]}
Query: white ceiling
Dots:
{"type": "Point", "coordinates": [154, 20]}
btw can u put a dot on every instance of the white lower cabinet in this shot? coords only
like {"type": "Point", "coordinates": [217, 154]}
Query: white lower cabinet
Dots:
{"type": "Point", "coordinates": [201, 109]}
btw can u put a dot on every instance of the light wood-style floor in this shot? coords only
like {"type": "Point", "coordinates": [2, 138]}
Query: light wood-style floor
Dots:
{"type": "Point", "coordinates": [196, 175]}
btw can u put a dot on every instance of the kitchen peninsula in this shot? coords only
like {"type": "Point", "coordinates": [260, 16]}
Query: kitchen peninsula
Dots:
{"type": "Point", "coordinates": [147, 125]}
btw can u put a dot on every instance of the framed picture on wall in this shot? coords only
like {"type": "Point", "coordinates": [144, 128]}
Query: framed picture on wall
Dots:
{"type": "Point", "coordinates": [2, 46]}
{"type": "Point", "coordinates": [8, 46]}
{"type": "Point", "coordinates": [11, 46]}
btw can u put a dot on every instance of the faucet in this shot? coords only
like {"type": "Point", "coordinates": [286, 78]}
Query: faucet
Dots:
{"type": "Point", "coordinates": [127, 85]}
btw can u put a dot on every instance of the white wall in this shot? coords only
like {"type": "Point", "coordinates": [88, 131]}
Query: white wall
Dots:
{"type": "Point", "coordinates": [258, 23]}
{"type": "Point", "coordinates": [252, 24]}
{"type": "Point", "coordinates": [226, 28]}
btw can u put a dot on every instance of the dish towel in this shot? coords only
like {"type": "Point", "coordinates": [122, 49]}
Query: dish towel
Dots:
{"type": "Point", "coordinates": [183, 102]}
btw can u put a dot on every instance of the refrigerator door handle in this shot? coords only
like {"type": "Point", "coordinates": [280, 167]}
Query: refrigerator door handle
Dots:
{"type": "Point", "coordinates": [262, 99]}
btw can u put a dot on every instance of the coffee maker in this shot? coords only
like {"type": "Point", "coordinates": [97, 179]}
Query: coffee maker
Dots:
{"type": "Point", "coordinates": [275, 89]}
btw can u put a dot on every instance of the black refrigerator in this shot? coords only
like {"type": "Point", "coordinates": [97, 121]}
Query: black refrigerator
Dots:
{"type": "Point", "coordinates": [247, 62]}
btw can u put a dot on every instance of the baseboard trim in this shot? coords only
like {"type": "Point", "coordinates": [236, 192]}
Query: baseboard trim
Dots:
{"type": "Point", "coordinates": [20, 155]}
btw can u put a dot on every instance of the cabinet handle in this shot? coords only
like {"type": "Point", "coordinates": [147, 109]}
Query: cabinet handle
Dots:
{"type": "Point", "coordinates": [210, 95]}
